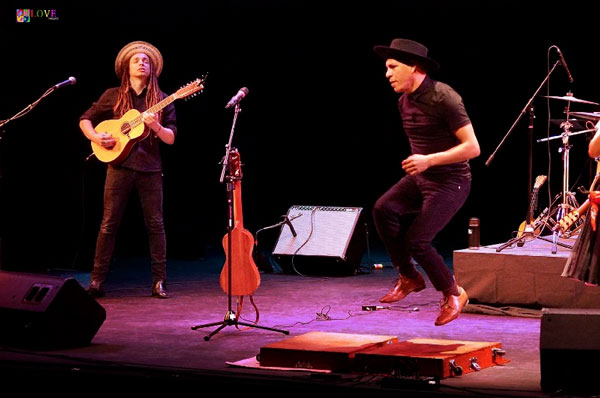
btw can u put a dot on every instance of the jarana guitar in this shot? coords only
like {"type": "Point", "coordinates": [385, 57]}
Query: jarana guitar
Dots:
{"type": "Point", "coordinates": [130, 129]}
{"type": "Point", "coordinates": [245, 277]}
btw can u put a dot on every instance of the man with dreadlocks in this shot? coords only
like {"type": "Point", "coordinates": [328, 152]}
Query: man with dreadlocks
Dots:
{"type": "Point", "coordinates": [138, 66]}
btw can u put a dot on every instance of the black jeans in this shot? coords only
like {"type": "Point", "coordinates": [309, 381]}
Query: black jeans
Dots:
{"type": "Point", "coordinates": [410, 214]}
{"type": "Point", "coordinates": [117, 189]}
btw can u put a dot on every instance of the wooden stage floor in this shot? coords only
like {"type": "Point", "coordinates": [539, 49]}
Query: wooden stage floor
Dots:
{"type": "Point", "coordinates": [146, 344]}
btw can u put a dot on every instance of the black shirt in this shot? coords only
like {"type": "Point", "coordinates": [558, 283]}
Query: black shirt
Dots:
{"type": "Point", "coordinates": [145, 154]}
{"type": "Point", "coordinates": [430, 116]}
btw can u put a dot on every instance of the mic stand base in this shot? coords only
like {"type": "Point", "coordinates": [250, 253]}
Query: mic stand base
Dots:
{"type": "Point", "coordinates": [519, 240]}
{"type": "Point", "coordinates": [561, 210]}
{"type": "Point", "coordinates": [555, 242]}
{"type": "Point", "coordinates": [230, 320]}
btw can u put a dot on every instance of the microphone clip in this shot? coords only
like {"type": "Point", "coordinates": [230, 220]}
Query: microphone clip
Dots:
{"type": "Point", "coordinates": [288, 222]}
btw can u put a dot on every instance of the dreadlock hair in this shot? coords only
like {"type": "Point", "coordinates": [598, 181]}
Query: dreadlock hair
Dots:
{"type": "Point", "coordinates": [124, 103]}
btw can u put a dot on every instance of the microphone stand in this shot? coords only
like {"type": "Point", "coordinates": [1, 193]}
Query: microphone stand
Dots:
{"type": "Point", "coordinates": [230, 316]}
{"type": "Point", "coordinates": [285, 221]}
{"type": "Point", "coordinates": [528, 106]}
{"type": "Point", "coordinates": [3, 123]}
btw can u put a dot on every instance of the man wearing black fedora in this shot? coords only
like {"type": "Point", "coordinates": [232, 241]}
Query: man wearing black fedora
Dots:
{"type": "Point", "coordinates": [438, 178]}
{"type": "Point", "coordinates": [137, 66]}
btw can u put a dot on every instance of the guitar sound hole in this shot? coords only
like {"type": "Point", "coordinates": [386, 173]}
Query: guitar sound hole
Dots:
{"type": "Point", "coordinates": [125, 128]}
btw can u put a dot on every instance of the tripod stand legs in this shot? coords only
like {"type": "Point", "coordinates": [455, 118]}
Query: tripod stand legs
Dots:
{"type": "Point", "coordinates": [559, 243]}
{"type": "Point", "coordinates": [230, 320]}
{"type": "Point", "coordinates": [519, 240]}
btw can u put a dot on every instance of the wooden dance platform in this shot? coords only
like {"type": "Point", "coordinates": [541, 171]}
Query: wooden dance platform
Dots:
{"type": "Point", "coordinates": [522, 276]}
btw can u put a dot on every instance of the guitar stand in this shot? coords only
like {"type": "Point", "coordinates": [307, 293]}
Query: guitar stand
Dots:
{"type": "Point", "coordinates": [230, 317]}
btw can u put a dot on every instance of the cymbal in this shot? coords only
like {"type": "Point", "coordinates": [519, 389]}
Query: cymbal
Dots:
{"type": "Point", "coordinates": [587, 115]}
{"type": "Point", "coordinates": [570, 98]}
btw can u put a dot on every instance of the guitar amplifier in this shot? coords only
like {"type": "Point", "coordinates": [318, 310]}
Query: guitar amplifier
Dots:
{"type": "Point", "coordinates": [329, 240]}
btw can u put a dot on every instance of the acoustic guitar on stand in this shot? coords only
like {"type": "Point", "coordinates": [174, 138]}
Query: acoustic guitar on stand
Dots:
{"type": "Point", "coordinates": [531, 226]}
{"type": "Point", "coordinates": [245, 277]}
{"type": "Point", "coordinates": [130, 128]}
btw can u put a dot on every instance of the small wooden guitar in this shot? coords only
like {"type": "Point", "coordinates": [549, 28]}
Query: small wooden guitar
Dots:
{"type": "Point", "coordinates": [529, 225]}
{"type": "Point", "coordinates": [130, 128]}
{"type": "Point", "coordinates": [245, 277]}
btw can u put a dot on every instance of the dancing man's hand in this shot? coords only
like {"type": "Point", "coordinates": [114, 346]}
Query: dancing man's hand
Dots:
{"type": "Point", "coordinates": [415, 164]}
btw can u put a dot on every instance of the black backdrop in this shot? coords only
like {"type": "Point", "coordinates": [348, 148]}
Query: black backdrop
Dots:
{"type": "Point", "coordinates": [319, 125]}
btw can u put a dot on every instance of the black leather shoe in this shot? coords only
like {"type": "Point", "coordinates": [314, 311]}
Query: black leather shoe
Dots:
{"type": "Point", "coordinates": [159, 290]}
{"type": "Point", "coordinates": [96, 289]}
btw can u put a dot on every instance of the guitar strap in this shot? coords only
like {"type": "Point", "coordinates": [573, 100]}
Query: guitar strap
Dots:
{"type": "Point", "coordinates": [594, 202]}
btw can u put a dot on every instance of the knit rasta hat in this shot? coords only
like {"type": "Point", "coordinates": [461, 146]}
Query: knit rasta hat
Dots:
{"type": "Point", "coordinates": [139, 47]}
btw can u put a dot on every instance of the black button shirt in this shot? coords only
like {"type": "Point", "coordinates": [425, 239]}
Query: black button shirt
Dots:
{"type": "Point", "coordinates": [430, 116]}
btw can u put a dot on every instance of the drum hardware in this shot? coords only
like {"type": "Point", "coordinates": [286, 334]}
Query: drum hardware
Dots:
{"type": "Point", "coordinates": [568, 201]}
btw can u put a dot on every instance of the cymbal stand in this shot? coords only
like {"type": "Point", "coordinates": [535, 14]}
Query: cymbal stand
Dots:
{"type": "Point", "coordinates": [569, 202]}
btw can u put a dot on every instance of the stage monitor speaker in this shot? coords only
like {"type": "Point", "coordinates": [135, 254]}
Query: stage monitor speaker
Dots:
{"type": "Point", "coordinates": [45, 312]}
{"type": "Point", "coordinates": [569, 349]}
{"type": "Point", "coordinates": [329, 240]}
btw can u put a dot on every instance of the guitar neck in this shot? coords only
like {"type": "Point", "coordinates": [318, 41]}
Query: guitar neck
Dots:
{"type": "Point", "coordinates": [238, 216]}
{"type": "Point", "coordinates": [532, 206]}
{"type": "Point", "coordinates": [583, 208]}
{"type": "Point", "coordinates": [159, 106]}
{"type": "Point", "coordinates": [154, 109]}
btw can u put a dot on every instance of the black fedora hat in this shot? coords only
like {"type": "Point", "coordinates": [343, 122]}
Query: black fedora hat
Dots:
{"type": "Point", "coordinates": [409, 52]}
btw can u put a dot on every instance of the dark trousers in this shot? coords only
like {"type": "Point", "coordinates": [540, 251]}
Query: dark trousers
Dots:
{"type": "Point", "coordinates": [117, 188]}
{"type": "Point", "coordinates": [410, 214]}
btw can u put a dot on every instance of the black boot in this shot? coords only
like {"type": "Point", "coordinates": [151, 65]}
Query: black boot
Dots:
{"type": "Point", "coordinates": [159, 290]}
{"type": "Point", "coordinates": [96, 289]}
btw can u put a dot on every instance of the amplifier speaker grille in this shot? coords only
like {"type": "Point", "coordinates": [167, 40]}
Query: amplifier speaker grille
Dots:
{"type": "Point", "coordinates": [330, 240]}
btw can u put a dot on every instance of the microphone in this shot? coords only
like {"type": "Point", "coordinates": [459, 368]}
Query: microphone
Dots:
{"type": "Point", "coordinates": [237, 98]}
{"type": "Point", "coordinates": [70, 80]}
{"type": "Point", "coordinates": [564, 64]}
{"type": "Point", "coordinates": [289, 224]}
